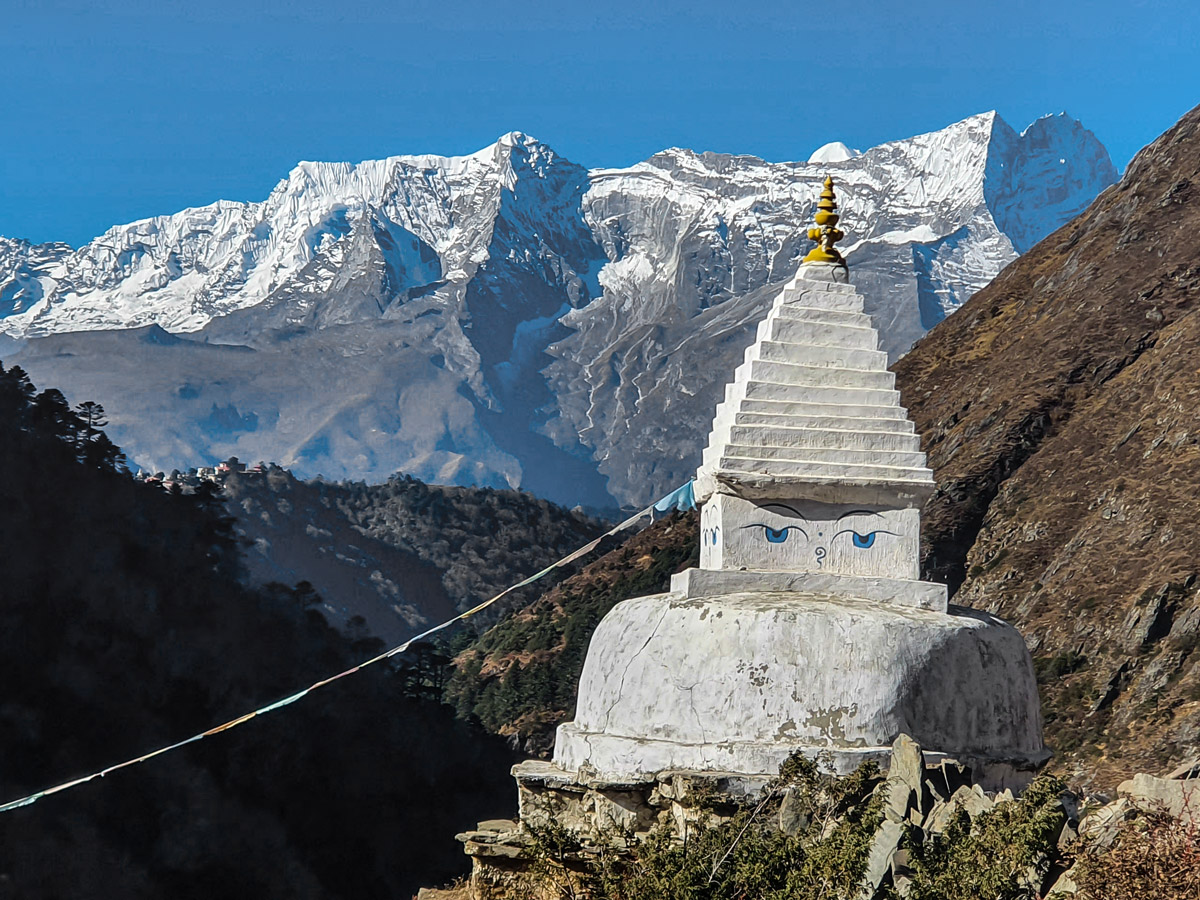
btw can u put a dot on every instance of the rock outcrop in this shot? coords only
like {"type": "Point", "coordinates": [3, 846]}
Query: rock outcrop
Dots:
{"type": "Point", "coordinates": [920, 827]}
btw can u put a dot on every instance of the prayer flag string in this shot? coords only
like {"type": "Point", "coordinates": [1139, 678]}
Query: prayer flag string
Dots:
{"type": "Point", "coordinates": [680, 498]}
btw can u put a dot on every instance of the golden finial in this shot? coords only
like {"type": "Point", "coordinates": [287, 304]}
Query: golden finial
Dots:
{"type": "Point", "coordinates": [826, 234]}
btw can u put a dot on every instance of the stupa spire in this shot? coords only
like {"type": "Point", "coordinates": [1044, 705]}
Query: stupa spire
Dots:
{"type": "Point", "coordinates": [826, 233]}
{"type": "Point", "coordinates": [812, 412]}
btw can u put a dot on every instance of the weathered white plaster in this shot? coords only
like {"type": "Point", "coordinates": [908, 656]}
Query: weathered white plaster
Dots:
{"type": "Point", "coordinates": [703, 584]}
{"type": "Point", "coordinates": [737, 682]}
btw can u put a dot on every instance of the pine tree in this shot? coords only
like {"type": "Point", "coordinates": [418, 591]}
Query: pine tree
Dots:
{"type": "Point", "coordinates": [91, 415]}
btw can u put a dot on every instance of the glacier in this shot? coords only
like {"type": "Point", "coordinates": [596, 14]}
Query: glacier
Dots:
{"type": "Point", "coordinates": [509, 318]}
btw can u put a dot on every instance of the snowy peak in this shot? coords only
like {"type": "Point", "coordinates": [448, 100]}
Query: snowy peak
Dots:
{"type": "Point", "coordinates": [22, 270]}
{"type": "Point", "coordinates": [508, 316]}
{"type": "Point", "coordinates": [182, 271]}
{"type": "Point", "coordinates": [833, 152]}
{"type": "Point", "coordinates": [1043, 177]}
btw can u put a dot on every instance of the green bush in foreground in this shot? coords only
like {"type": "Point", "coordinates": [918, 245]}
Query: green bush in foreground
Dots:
{"type": "Point", "coordinates": [742, 856]}
{"type": "Point", "coordinates": [1003, 854]}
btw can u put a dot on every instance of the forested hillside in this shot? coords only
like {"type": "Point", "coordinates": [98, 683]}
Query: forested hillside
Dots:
{"type": "Point", "coordinates": [402, 555]}
{"type": "Point", "coordinates": [127, 628]}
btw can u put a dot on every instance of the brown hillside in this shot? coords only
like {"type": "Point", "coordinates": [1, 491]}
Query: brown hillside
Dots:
{"type": "Point", "coordinates": [1060, 409]}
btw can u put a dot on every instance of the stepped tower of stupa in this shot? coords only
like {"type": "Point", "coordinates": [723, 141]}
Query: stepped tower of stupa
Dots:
{"type": "Point", "coordinates": [806, 625]}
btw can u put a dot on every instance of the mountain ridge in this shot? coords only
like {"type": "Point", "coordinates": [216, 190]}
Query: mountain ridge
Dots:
{"type": "Point", "coordinates": [577, 324]}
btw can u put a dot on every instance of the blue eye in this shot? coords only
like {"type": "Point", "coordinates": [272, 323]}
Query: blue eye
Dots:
{"type": "Point", "coordinates": [777, 535]}
{"type": "Point", "coordinates": [862, 541]}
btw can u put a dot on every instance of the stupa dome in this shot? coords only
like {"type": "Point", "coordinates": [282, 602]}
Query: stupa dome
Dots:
{"type": "Point", "coordinates": [737, 682]}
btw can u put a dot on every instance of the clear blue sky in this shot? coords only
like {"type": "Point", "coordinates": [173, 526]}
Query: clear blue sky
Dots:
{"type": "Point", "coordinates": [114, 110]}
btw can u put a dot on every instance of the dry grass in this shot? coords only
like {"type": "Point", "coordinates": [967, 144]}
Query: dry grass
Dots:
{"type": "Point", "coordinates": [1155, 857]}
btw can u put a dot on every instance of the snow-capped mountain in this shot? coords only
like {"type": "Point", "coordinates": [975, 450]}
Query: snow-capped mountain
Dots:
{"type": "Point", "coordinates": [509, 317]}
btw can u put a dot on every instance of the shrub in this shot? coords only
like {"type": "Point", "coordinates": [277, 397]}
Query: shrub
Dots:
{"type": "Point", "coordinates": [742, 856]}
{"type": "Point", "coordinates": [1155, 856]}
{"type": "Point", "coordinates": [1002, 855]}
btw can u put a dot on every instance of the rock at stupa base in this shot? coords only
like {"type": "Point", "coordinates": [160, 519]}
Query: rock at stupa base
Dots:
{"type": "Point", "coordinates": [603, 816]}
{"type": "Point", "coordinates": [737, 682]}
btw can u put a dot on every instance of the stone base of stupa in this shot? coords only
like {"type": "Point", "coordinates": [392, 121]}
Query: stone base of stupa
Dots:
{"type": "Point", "coordinates": [597, 812]}
{"type": "Point", "coordinates": [735, 681]}
{"type": "Point", "coordinates": [607, 817]}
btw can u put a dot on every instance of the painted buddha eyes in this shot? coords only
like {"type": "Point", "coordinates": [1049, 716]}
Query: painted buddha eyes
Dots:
{"type": "Point", "coordinates": [780, 535]}
{"type": "Point", "coordinates": [862, 541]}
{"type": "Point", "coordinates": [830, 532]}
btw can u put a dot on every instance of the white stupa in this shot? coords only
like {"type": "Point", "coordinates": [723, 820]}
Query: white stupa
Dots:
{"type": "Point", "coordinates": [806, 625]}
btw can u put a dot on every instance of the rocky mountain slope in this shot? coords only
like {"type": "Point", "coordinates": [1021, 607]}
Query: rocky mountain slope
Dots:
{"type": "Point", "coordinates": [508, 317]}
{"type": "Point", "coordinates": [1060, 409]}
